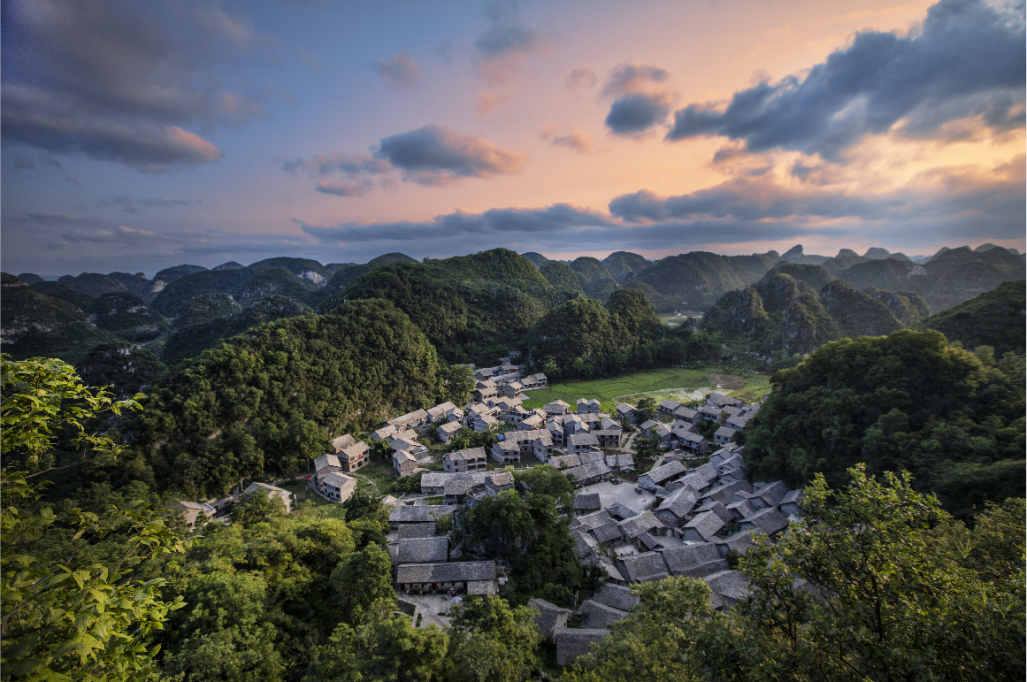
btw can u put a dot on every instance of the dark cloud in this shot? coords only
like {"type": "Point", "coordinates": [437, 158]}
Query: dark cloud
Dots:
{"type": "Point", "coordinates": [23, 162]}
{"type": "Point", "coordinates": [111, 82]}
{"type": "Point", "coordinates": [581, 78]}
{"type": "Point", "coordinates": [642, 98]}
{"type": "Point", "coordinates": [343, 189]}
{"type": "Point", "coordinates": [131, 204]}
{"type": "Point", "coordinates": [434, 155]}
{"type": "Point", "coordinates": [634, 114]}
{"type": "Point", "coordinates": [504, 39]}
{"type": "Point", "coordinates": [967, 61]}
{"type": "Point", "coordinates": [401, 71]}
{"type": "Point", "coordinates": [499, 222]}
{"type": "Point", "coordinates": [337, 162]}
{"type": "Point", "coordinates": [50, 161]}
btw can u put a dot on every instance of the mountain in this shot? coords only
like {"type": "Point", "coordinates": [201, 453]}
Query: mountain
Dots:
{"type": "Point", "coordinates": [797, 308]}
{"type": "Point", "coordinates": [348, 273]}
{"type": "Point", "coordinates": [188, 286]}
{"type": "Point", "coordinates": [63, 292]}
{"type": "Point", "coordinates": [796, 255]}
{"type": "Point", "coordinates": [274, 281]}
{"type": "Point", "coordinates": [230, 265]}
{"type": "Point", "coordinates": [694, 281]}
{"type": "Point", "coordinates": [215, 317]}
{"type": "Point", "coordinates": [128, 316]}
{"type": "Point", "coordinates": [624, 265]}
{"type": "Point", "coordinates": [560, 275]}
{"type": "Point", "coordinates": [537, 258]}
{"type": "Point", "coordinates": [595, 279]}
{"type": "Point", "coordinates": [33, 324]}
{"type": "Point", "coordinates": [125, 368]}
{"type": "Point", "coordinates": [138, 284]}
{"type": "Point", "coordinates": [169, 275]}
{"type": "Point", "coordinates": [306, 269]}
{"type": "Point", "coordinates": [30, 277]}
{"type": "Point", "coordinates": [93, 284]}
{"type": "Point", "coordinates": [994, 318]}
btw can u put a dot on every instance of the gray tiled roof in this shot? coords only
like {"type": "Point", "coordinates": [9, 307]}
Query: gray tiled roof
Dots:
{"type": "Point", "coordinates": [422, 550]}
{"type": "Point", "coordinates": [549, 617]}
{"type": "Point", "coordinates": [457, 571]}
{"type": "Point", "coordinates": [639, 524]}
{"type": "Point", "coordinates": [644, 567]}
{"type": "Point", "coordinates": [587, 502]}
{"type": "Point", "coordinates": [706, 525]}
{"type": "Point", "coordinates": [574, 642]}
{"type": "Point", "coordinates": [665, 472]}
{"type": "Point", "coordinates": [616, 596]}
{"type": "Point", "coordinates": [596, 615]}
{"type": "Point", "coordinates": [422, 513]}
{"type": "Point", "coordinates": [680, 503]}
{"type": "Point", "coordinates": [694, 561]}
{"type": "Point", "coordinates": [767, 521]}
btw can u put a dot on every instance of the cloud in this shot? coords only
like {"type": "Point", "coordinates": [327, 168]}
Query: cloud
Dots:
{"type": "Point", "coordinates": [434, 155]}
{"type": "Point", "coordinates": [500, 222]}
{"type": "Point", "coordinates": [641, 98]}
{"type": "Point", "coordinates": [581, 78]}
{"type": "Point", "coordinates": [50, 161]}
{"type": "Point", "coordinates": [121, 234]}
{"type": "Point", "coordinates": [401, 72]}
{"type": "Point", "coordinates": [967, 62]}
{"type": "Point", "coordinates": [634, 114]}
{"type": "Point", "coordinates": [342, 189]}
{"type": "Point", "coordinates": [52, 218]}
{"type": "Point", "coordinates": [337, 162]}
{"type": "Point", "coordinates": [572, 139]}
{"type": "Point", "coordinates": [130, 204]}
{"type": "Point", "coordinates": [23, 162]}
{"type": "Point", "coordinates": [108, 81]}
{"type": "Point", "coordinates": [499, 56]}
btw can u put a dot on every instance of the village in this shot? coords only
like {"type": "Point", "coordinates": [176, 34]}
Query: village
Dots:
{"type": "Point", "coordinates": [691, 514]}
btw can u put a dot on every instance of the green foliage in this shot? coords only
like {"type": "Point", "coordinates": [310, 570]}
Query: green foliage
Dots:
{"type": "Point", "coordinates": [698, 278]}
{"type": "Point", "coordinates": [907, 401]}
{"type": "Point", "coordinates": [257, 507]}
{"type": "Point", "coordinates": [65, 616]}
{"type": "Point", "coordinates": [547, 480]}
{"type": "Point", "coordinates": [492, 641]}
{"type": "Point", "coordinates": [127, 369]}
{"type": "Point", "coordinates": [469, 438]}
{"type": "Point", "coordinates": [994, 318]}
{"type": "Point", "coordinates": [265, 403]}
{"type": "Point", "coordinates": [362, 582]}
{"type": "Point", "coordinates": [560, 275]}
{"type": "Point", "coordinates": [645, 410]}
{"type": "Point", "coordinates": [994, 547]}
{"type": "Point", "coordinates": [623, 266]}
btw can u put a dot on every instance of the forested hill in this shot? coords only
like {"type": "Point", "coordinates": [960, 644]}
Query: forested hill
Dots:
{"type": "Point", "coordinates": [909, 401]}
{"type": "Point", "coordinates": [995, 318]}
{"type": "Point", "coordinates": [258, 406]}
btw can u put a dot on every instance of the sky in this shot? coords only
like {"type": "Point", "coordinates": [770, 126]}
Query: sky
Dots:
{"type": "Point", "coordinates": [138, 136]}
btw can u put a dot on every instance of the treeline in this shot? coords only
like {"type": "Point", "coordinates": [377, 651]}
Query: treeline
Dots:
{"type": "Point", "coordinates": [909, 401]}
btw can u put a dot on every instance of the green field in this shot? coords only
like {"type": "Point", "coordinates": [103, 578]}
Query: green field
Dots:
{"type": "Point", "coordinates": [672, 320]}
{"type": "Point", "coordinates": [679, 384]}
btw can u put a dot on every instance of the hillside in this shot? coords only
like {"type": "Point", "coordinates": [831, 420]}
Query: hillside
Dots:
{"type": "Point", "coordinates": [128, 316]}
{"type": "Point", "coordinates": [905, 401]}
{"type": "Point", "coordinates": [696, 280]}
{"type": "Point", "coordinates": [275, 281]}
{"type": "Point", "coordinates": [284, 389]}
{"type": "Point", "coordinates": [560, 275]}
{"type": "Point", "coordinates": [624, 265]}
{"type": "Point", "coordinates": [537, 258]}
{"type": "Point", "coordinates": [189, 286]}
{"type": "Point", "coordinates": [348, 273]}
{"type": "Point", "coordinates": [224, 319]}
{"type": "Point", "coordinates": [994, 318]}
{"type": "Point", "coordinates": [595, 279]}
{"type": "Point", "coordinates": [33, 324]}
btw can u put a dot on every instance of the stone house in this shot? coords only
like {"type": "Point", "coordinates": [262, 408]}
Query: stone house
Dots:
{"type": "Point", "coordinates": [507, 452]}
{"type": "Point", "coordinates": [469, 459]}
{"type": "Point", "coordinates": [193, 511]}
{"type": "Point", "coordinates": [337, 487]}
{"type": "Point", "coordinates": [660, 475]}
{"type": "Point", "coordinates": [448, 430]}
{"type": "Point", "coordinates": [557, 407]}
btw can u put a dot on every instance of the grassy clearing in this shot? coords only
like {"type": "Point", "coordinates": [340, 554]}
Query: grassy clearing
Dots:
{"type": "Point", "coordinates": [381, 473]}
{"type": "Point", "coordinates": [672, 320]}
{"type": "Point", "coordinates": [676, 383]}
{"type": "Point", "coordinates": [304, 496]}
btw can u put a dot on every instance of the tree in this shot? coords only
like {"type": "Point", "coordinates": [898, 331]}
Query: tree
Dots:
{"type": "Point", "coordinates": [257, 507]}
{"type": "Point", "coordinates": [645, 410]}
{"type": "Point", "coordinates": [491, 641]}
{"type": "Point", "coordinates": [62, 617]}
{"type": "Point", "coordinates": [362, 581]}
{"type": "Point", "coordinates": [547, 480]}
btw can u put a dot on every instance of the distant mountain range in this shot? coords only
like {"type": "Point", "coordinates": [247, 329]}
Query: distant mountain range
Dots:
{"type": "Point", "coordinates": [187, 308]}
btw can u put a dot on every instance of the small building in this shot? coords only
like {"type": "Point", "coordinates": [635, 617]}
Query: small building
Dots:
{"type": "Point", "coordinates": [721, 400]}
{"type": "Point", "coordinates": [588, 406]}
{"type": "Point", "coordinates": [660, 475]}
{"type": "Point", "coordinates": [581, 442]}
{"type": "Point", "coordinates": [557, 407]}
{"type": "Point", "coordinates": [703, 528]}
{"type": "Point", "coordinates": [448, 430]}
{"type": "Point", "coordinates": [469, 459]}
{"type": "Point", "coordinates": [790, 504]}
{"type": "Point", "coordinates": [404, 463]}
{"type": "Point", "coordinates": [549, 617]}
{"type": "Point", "coordinates": [383, 433]}
{"type": "Point", "coordinates": [626, 413]}
{"type": "Point", "coordinates": [484, 423]}
{"type": "Point", "coordinates": [532, 422]}
{"type": "Point", "coordinates": [724, 435]}
{"type": "Point", "coordinates": [586, 503]}
{"type": "Point", "coordinates": [507, 452]}
{"type": "Point", "coordinates": [695, 561]}
{"type": "Point", "coordinates": [411, 420]}
{"type": "Point", "coordinates": [644, 567]}
{"type": "Point", "coordinates": [728, 588]}
{"type": "Point", "coordinates": [470, 577]}
{"type": "Point", "coordinates": [587, 474]}
{"type": "Point", "coordinates": [534, 381]}
{"type": "Point", "coordinates": [337, 487]}
{"type": "Point", "coordinates": [674, 510]}
{"type": "Point", "coordinates": [421, 550]}
{"type": "Point", "coordinates": [596, 615]}
{"type": "Point", "coordinates": [354, 456]}
{"type": "Point", "coordinates": [440, 411]}
{"type": "Point", "coordinates": [768, 521]}
{"type": "Point", "coordinates": [272, 492]}
{"type": "Point", "coordinates": [668, 406]}
{"type": "Point", "coordinates": [622, 462]}
{"type": "Point", "coordinates": [193, 512]}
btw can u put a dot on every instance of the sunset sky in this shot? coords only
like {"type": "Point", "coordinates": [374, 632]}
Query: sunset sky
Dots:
{"type": "Point", "coordinates": [138, 136]}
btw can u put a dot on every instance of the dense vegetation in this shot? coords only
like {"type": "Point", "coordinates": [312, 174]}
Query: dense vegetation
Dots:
{"type": "Point", "coordinates": [907, 401]}
{"type": "Point", "coordinates": [994, 318]}
{"type": "Point", "coordinates": [267, 402]}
